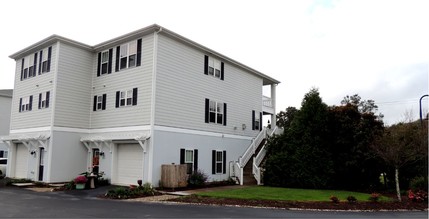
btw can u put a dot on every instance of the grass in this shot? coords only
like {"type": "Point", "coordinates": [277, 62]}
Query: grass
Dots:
{"type": "Point", "coordinates": [287, 194]}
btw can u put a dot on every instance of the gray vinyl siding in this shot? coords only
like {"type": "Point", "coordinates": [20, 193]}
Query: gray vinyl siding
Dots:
{"type": "Point", "coordinates": [182, 86]}
{"type": "Point", "coordinates": [125, 79]}
{"type": "Point", "coordinates": [32, 86]}
{"type": "Point", "coordinates": [73, 87]}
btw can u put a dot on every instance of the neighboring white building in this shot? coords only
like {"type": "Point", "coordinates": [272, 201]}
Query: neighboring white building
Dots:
{"type": "Point", "coordinates": [130, 104]}
{"type": "Point", "coordinates": [5, 104]}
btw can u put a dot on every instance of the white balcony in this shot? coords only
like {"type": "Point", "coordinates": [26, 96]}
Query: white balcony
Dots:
{"type": "Point", "coordinates": [267, 105]}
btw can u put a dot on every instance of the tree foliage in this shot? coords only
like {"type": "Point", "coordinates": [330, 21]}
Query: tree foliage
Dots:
{"type": "Point", "coordinates": [325, 147]}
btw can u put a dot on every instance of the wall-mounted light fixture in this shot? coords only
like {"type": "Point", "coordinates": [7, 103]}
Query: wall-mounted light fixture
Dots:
{"type": "Point", "coordinates": [33, 152]}
{"type": "Point", "coordinates": [102, 153]}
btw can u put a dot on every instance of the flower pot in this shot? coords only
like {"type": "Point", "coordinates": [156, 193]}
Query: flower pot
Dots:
{"type": "Point", "coordinates": [80, 186]}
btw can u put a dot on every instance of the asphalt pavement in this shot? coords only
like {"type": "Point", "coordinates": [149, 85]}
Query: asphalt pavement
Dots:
{"type": "Point", "coordinates": [23, 203]}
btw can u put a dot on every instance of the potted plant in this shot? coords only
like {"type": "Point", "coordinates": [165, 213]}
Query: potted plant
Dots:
{"type": "Point", "coordinates": [80, 182]}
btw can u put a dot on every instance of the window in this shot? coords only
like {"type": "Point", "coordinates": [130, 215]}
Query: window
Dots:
{"type": "Point", "coordinates": [189, 157]}
{"type": "Point", "coordinates": [28, 66]}
{"type": "Point", "coordinates": [99, 102]}
{"type": "Point", "coordinates": [45, 60]}
{"type": "Point", "coordinates": [126, 98]}
{"type": "Point", "coordinates": [44, 100]}
{"type": "Point", "coordinates": [215, 112]}
{"type": "Point", "coordinates": [218, 162]}
{"type": "Point", "coordinates": [213, 67]}
{"type": "Point", "coordinates": [128, 55]}
{"type": "Point", "coordinates": [256, 121]}
{"type": "Point", "coordinates": [25, 103]}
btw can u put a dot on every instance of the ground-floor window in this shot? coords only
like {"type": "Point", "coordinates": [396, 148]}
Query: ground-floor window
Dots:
{"type": "Point", "coordinates": [218, 162]}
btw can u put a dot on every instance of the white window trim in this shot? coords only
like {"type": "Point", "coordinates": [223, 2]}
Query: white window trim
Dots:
{"type": "Point", "coordinates": [99, 103]}
{"type": "Point", "coordinates": [44, 60]}
{"type": "Point", "coordinates": [218, 110]}
{"type": "Point", "coordinates": [219, 162]}
{"type": "Point", "coordinates": [127, 54]}
{"type": "Point", "coordinates": [126, 95]}
{"type": "Point", "coordinates": [214, 64]}
{"type": "Point", "coordinates": [106, 62]}
{"type": "Point", "coordinates": [25, 104]}
{"type": "Point", "coordinates": [43, 101]}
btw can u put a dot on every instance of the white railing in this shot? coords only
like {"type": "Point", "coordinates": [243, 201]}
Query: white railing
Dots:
{"type": "Point", "coordinates": [252, 148]}
{"type": "Point", "coordinates": [256, 172]}
{"type": "Point", "coordinates": [260, 156]}
{"type": "Point", "coordinates": [266, 101]}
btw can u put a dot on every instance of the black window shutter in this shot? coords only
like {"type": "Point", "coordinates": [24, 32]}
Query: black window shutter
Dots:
{"type": "Point", "coordinates": [182, 156]}
{"type": "Point", "coordinates": [195, 160]}
{"type": "Point", "coordinates": [110, 61]}
{"type": "Point", "coordinates": [118, 93]}
{"type": "Point", "coordinates": [206, 65]}
{"type": "Point", "coordinates": [134, 96]}
{"type": "Point", "coordinates": [260, 121]}
{"type": "Point", "coordinates": [20, 104]}
{"type": "Point", "coordinates": [40, 101]}
{"type": "Point", "coordinates": [99, 65]}
{"type": "Point", "coordinates": [40, 62]}
{"type": "Point", "coordinates": [139, 52]}
{"type": "Point", "coordinates": [22, 70]}
{"type": "Point", "coordinates": [31, 103]}
{"type": "Point", "coordinates": [117, 58]}
{"type": "Point", "coordinates": [213, 162]}
{"type": "Point", "coordinates": [224, 114]}
{"type": "Point", "coordinates": [49, 58]}
{"type": "Point", "coordinates": [47, 99]}
{"type": "Point", "coordinates": [221, 71]}
{"type": "Point", "coordinates": [35, 65]}
{"type": "Point", "coordinates": [253, 119]}
{"type": "Point", "coordinates": [94, 108]}
{"type": "Point", "coordinates": [103, 105]}
{"type": "Point", "coordinates": [207, 110]}
{"type": "Point", "coordinates": [224, 162]}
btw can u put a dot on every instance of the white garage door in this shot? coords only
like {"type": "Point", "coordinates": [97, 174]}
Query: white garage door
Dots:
{"type": "Point", "coordinates": [21, 162]}
{"type": "Point", "coordinates": [130, 163]}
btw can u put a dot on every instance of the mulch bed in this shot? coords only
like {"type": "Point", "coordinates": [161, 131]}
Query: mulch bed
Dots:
{"type": "Point", "coordinates": [368, 206]}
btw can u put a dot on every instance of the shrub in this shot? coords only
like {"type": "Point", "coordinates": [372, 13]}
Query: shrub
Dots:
{"type": "Point", "coordinates": [334, 199]}
{"type": "Point", "coordinates": [102, 182]}
{"type": "Point", "coordinates": [351, 199]}
{"type": "Point", "coordinates": [69, 185]}
{"type": "Point", "coordinates": [418, 196]}
{"type": "Point", "coordinates": [197, 179]}
{"type": "Point", "coordinates": [80, 179]}
{"type": "Point", "coordinates": [418, 183]}
{"type": "Point", "coordinates": [374, 197]}
{"type": "Point", "coordinates": [131, 192]}
{"type": "Point", "coordinates": [118, 193]}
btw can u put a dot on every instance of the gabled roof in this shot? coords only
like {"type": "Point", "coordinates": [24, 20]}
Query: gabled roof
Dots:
{"type": "Point", "coordinates": [6, 93]}
{"type": "Point", "coordinates": [144, 31]}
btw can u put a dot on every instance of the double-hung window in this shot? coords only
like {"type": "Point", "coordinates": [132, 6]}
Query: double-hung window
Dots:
{"type": "Point", "coordinates": [126, 98]}
{"type": "Point", "coordinates": [218, 162]}
{"type": "Point", "coordinates": [128, 55]}
{"type": "Point", "coordinates": [104, 62]}
{"type": "Point", "coordinates": [190, 158]}
{"type": "Point", "coordinates": [215, 112]}
{"type": "Point", "coordinates": [44, 100]}
{"type": "Point", "coordinates": [99, 102]}
{"type": "Point", "coordinates": [26, 103]}
{"type": "Point", "coordinates": [28, 66]}
{"type": "Point", "coordinates": [45, 60]}
{"type": "Point", "coordinates": [213, 67]}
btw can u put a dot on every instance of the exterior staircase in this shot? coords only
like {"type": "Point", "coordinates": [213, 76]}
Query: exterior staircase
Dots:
{"type": "Point", "coordinates": [247, 169]}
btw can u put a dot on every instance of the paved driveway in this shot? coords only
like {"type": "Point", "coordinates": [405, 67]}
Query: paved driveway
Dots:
{"type": "Point", "coordinates": [16, 202]}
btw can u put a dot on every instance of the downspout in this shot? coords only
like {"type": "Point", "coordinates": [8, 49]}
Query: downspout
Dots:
{"type": "Point", "coordinates": [153, 102]}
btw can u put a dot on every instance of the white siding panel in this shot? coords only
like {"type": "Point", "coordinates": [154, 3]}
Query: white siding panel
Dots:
{"type": "Point", "coordinates": [32, 86]}
{"type": "Point", "coordinates": [125, 79]}
{"type": "Point", "coordinates": [73, 89]}
{"type": "Point", "coordinates": [182, 87]}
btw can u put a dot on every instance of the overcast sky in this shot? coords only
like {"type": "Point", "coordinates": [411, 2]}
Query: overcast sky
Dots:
{"type": "Point", "coordinates": [377, 49]}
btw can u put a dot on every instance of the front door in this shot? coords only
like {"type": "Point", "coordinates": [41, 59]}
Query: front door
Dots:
{"type": "Point", "coordinates": [95, 160]}
{"type": "Point", "coordinates": [41, 163]}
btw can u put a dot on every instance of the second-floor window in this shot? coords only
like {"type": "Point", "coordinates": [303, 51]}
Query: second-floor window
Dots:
{"type": "Point", "coordinates": [128, 55]}
{"type": "Point", "coordinates": [215, 112]}
{"type": "Point", "coordinates": [44, 100]}
{"type": "Point", "coordinates": [213, 67]}
{"type": "Point", "coordinates": [99, 102]}
{"type": "Point", "coordinates": [126, 98]}
{"type": "Point", "coordinates": [105, 62]}
{"type": "Point", "coordinates": [26, 103]}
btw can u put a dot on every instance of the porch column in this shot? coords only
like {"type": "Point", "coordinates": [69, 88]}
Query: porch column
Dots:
{"type": "Point", "coordinates": [273, 104]}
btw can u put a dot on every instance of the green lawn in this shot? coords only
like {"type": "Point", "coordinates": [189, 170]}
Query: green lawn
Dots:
{"type": "Point", "coordinates": [287, 194]}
